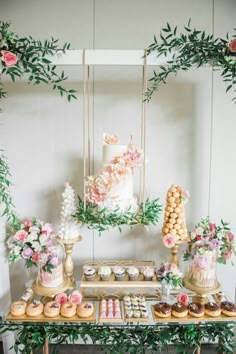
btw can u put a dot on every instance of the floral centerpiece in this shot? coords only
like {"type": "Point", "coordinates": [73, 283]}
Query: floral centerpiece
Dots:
{"type": "Point", "coordinates": [30, 243]}
{"type": "Point", "coordinates": [208, 244]}
{"type": "Point", "coordinates": [169, 273]}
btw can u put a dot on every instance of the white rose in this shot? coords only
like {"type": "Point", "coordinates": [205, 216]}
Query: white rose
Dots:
{"type": "Point", "coordinates": [199, 231]}
{"type": "Point", "coordinates": [36, 246]}
{"type": "Point", "coordinates": [16, 250]}
{"type": "Point", "coordinates": [32, 236]}
{"type": "Point", "coordinates": [43, 239]}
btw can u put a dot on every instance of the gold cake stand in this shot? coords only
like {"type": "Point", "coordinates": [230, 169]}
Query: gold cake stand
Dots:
{"type": "Point", "coordinates": [201, 293]}
{"type": "Point", "coordinates": [175, 250]}
{"type": "Point", "coordinates": [50, 292]}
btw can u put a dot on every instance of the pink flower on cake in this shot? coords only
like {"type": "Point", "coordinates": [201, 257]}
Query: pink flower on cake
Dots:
{"type": "Point", "coordinates": [75, 297]}
{"type": "Point", "coordinates": [232, 46]}
{"type": "Point", "coordinates": [9, 58]}
{"type": "Point", "coordinates": [61, 298]}
{"type": "Point", "coordinates": [169, 240]}
{"type": "Point", "coordinates": [21, 235]}
{"type": "Point", "coordinates": [27, 252]}
{"type": "Point", "coordinates": [183, 298]}
{"type": "Point", "coordinates": [111, 139]}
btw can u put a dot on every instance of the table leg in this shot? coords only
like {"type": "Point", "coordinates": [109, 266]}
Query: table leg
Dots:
{"type": "Point", "coordinates": [198, 350]}
{"type": "Point", "coordinates": [45, 347]}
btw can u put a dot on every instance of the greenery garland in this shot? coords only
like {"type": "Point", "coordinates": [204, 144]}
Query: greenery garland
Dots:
{"type": "Point", "coordinates": [148, 213]}
{"type": "Point", "coordinates": [131, 339]}
{"type": "Point", "coordinates": [192, 48]}
{"type": "Point", "coordinates": [25, 55]}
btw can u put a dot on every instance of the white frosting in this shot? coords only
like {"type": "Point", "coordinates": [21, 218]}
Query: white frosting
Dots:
{"type": "Point", "coordinates": [111, 151]}
{"type": "Point", "coordinates": [53, 279]}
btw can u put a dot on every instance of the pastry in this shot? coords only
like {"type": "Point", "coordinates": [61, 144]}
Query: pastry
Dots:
{"type": "Point", "coordinates": [18, 308]}
{"type": "Point", "coordinates": [148, 273]}
{"type": "Point", "coordinates": [212, 309]}
{"type": "Point", "coordinates": [34, 309]}
{"type": "Point", "coordinates": [133, 273]}
{"type": "Point", "coordinates": [89, 273]}
{"type": "Point", "coordinates": [119, 273]}
{"type": "Point", "coordinates": [85, 309]}
{"type": "Point", "coordinates": [174, 219]}
{"type": "Point", "coordinates": [162, 309]}
{"type": "Point", "coordinates": [104, 272]}
{"type": "Point", "coordinates": [52, 309]}
{"type": "Point", "coordinates": [179, 310]}
{"type": "Point", "coordinates": [196, 309]}
{"type": "Point", "coordinates": [228, 308]}
{"type": "Point", "coordinates": [68, 310]}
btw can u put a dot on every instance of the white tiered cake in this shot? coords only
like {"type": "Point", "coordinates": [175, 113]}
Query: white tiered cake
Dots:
{"type": "Point", "coordinates": [113, 189]}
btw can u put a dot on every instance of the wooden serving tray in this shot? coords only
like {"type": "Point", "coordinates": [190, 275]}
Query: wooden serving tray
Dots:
{"type": "Point", "coordinates": [119, 262]}
{"type": "Point", "coordinates": [43, 318]}
{"type": "Point", "coordinates": [190, 319]}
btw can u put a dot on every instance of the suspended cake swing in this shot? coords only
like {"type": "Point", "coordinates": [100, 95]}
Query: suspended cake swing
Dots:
{"type": "Point", "coordinates": [88, 212]}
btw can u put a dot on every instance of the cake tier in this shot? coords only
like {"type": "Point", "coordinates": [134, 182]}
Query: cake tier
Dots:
{"type": "Point", "coordinates": [123, 189]}
{"type": "Point", "coordinates": [122, 205]}
{"type": "Point", "coordinates": [111, 151]}
{"type": "Point", "coordinates": [53, 279]}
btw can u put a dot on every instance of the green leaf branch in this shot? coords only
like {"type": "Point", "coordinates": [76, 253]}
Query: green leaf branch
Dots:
{"type": "Point", "coordinates": [32, 61]}
{"type": "Point", "coordinates": [191, 48]}
{"type": "Point", "coordinates": [148, 213]}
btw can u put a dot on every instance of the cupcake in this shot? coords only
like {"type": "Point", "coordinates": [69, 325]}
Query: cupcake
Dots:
{"type": "Point", "coordinates": [105, 272]}
{"type": "Point", "coordinates": [148, 273]}
{"type": "Point", "coordinates": [119, 273]}
{"type": "Point", "coordinates": [133, 273]}
{"type": "Point", "coordinates": [89, 273]}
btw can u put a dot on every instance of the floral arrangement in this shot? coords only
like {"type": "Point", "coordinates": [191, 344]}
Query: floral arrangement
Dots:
{"type": "Point", "coordinates": [99, 186]}
{"type": "Point", "coordinates": [170, 274]}
{"type": "Point", "coordinates": [30, 244]}
{"type": "Point", "coordinates": [192, 48]}
{"type": "Point", "coordinates": [208, 237]}
{"type": "Point", "coordinates": [25, 55]}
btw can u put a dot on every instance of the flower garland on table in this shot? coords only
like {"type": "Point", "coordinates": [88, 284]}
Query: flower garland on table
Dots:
{"type": "Point", "coordinates": [30, 243]}
{"type": "Point", "coordinates": [192, 48]}
{"type": "Point", "coordinates": [208, 237]}
{"type": "Point", "coordinates": [25, 55]}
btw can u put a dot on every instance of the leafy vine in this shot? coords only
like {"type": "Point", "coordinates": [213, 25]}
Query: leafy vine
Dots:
{"type": "Point", "coordinates": [192, 48]}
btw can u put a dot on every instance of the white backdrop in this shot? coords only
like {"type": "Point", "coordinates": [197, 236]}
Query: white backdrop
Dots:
{"type": "Point", "coordinates": [190, 141]}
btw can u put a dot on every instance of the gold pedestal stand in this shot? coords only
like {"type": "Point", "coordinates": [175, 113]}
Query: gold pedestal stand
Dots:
{"type": "Point", "coordinates": [201, 293]}
{"type": "Point", "coordinates": [68, 264]}
{"type": "Point", "coordinates": [50, 292]}
{"type": "Point", "coordinates": [174, 252]}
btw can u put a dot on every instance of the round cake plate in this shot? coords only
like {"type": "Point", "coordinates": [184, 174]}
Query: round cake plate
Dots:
{"type": "Point", "coordinates": [50, 292]}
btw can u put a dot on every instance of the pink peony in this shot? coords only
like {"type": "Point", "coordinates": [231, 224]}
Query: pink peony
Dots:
{"type": "Point", "coordinates": [232, 46]}
{"type": "Point", "coordinates": [35, 257]}
{"type": "Point", "coordinates": [27, 223]}
{"type": "Point", "coordinates": [61, 298]}
{"type": "Point", "coordinates": [183, 298]}
{"type": "Point", "coordinates": [27, 252]}
{"type": "Point", "coordinates": [75, 297]}
{"type": "Point", "coordinates": [47, 229]}
{"type": "Point", "coordinates": [10, 59]}
{"type": "Point", "coordinates": [169, 240]}
{"type": "Point", "coordinates": [111, 139]}
{"type": "Point", "coordinates": [21, 235]}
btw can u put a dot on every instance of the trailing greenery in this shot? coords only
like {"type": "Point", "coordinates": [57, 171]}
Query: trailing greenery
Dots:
{"type": "Point", "coordinates": [125, 339]}
{"type": "Point", "coordinates": [29, 56]}
{"type": "Point", "coordinates": [148, 213]}
{"type": "Point", "coordinates": [5, 195]}
{"type": "Point", "coordinates": [192, 48]}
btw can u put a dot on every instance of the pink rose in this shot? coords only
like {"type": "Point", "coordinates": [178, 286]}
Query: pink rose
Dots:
{"type": "Point", "coordinates": [212, 227]}
{"type": "Point", "coordinates": [227, 255]}
{"type": "Point", "coordinates": [169, 240]}
{"type": "Point", "coordinates": [9, 58]}
{"type": "Point", "coordinates": [232, 46]}
{"type": "Point", "coordinates": [47, 229]}
{"type": "Point", "coordinates": [21, 235]}
{"type": "Point", "coordinates": [229, 236]}
{"type": "Point", "coordinates": [183, 298]}
{"type": "Point", "coordinates": [35, 257]}
{"type": "Point", "coordinates": [75, 297]}
{"type": "Point", "coordinates": [111, 139]}
{"type": "Point", "coordinates": [27, 252]}
{"type": "Point", "coordinates": [61, 298]}
{"type": "Point", "coordinates": [27, 223]}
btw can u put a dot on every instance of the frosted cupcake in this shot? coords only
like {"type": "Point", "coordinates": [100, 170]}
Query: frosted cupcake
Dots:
{"type": "Point", "coordinates": [133, 273]}
{"type": "Point", "coordinates": [119, 273]}
{"type": "Point", "coordinates": [148, 273]}
{"type": "Point", "coordinates": [104, 272]}
{"type": "Point", "coordinates": [89, 273]}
